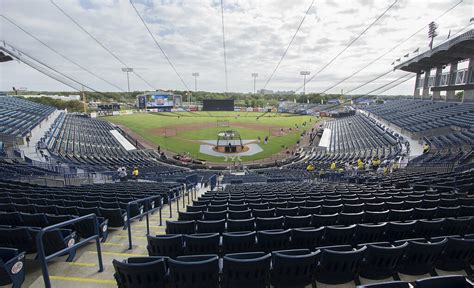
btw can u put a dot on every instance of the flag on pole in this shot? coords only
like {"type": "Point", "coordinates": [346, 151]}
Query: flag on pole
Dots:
{"type": "Point", "coordinates": [393, 62]}
{"type": "Point", "coordinates": [449, 33]}
{"type": "Point", "coordinates": [416, 50]}
{"type": "Point", "coordinates": [406, 55]}
{"type": "Point", "coordinates": [398, 60]}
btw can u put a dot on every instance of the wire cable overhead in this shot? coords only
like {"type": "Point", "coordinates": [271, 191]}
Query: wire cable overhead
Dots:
{"type": "Point", "coordinates": [389, 50]}
{"type": "Point", "coordinates": [350, 43]}
{"type": "Point", "coordinates": [289, 44]}
{"type": "Point", "coordinates": [159, 46]}
{"type": "Point", "coordinates": [60, 54]}
{"type": "Point", "coordinates": [223, 45]}
{"type": "Point", "coordinates": [99, 42]}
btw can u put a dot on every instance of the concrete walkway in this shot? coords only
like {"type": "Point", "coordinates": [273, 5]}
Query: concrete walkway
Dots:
{"type": "Point", "coordinates": [37, 133]}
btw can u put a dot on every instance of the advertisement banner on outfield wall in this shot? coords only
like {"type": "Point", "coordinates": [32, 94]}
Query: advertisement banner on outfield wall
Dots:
{"type": "Point", "coordinates": [116, 113]}
{"type": "Point", "coordinates": [93, 115]}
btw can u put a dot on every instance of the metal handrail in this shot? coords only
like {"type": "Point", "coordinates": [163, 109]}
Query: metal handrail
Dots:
{"type": "Point", "coordinates": [40, 246]}
{"type": "Point", "coordinates": [147, 209]}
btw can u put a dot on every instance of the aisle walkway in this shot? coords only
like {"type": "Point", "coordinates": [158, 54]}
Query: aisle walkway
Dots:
{"type": "Point", "coordinates": [83, 272]}
{"type": "Point", "coordinates": [37, 133]}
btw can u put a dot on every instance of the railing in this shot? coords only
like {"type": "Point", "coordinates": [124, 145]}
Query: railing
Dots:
{"type": "Point", "coordinates": [40, 246]}
{"type": "Point", "coordinates": [149, 206]}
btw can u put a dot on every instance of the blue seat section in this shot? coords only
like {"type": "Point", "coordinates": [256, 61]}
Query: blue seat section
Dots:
{"type": "Point", "coordinates": [19, 116]}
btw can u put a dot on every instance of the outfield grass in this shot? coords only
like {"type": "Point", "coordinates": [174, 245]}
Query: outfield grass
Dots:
{"type": "Point", "coordinates": [187, 141]}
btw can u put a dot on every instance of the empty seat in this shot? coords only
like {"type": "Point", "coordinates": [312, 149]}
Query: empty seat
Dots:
{"type": "Point", "coordinates": [263, 213]}
{"type": "Point", "coordinates": [287, 211]}
{"type": "Point", "coordinates": [319, 220]}
{"type": "Point", "coordinates": [456, 281]}
{"type": "Point", "coordinates": [190, 216]}
{"type": "Point", "coordinates": [293, 268]}
{"type": "Point", "coordinates": [381, 262]}
{"type": "Point", "coordinates": [308, 238]}
{"type": "Point", "coordinates": [215, 215]}
{"type": "Point", "coordinates": [456, 255]}
{"type": "Point", "coordinates": [339, 235]}
{"type": "Point", "coordinates": [242, 214]}
{"type": "Point", "coordinates": [420, 257]}
{"type": "Point", "coordinates": [375, 216]}
{"type": "Point", "coordinates": [350, 218]}
{"type": "Point", "coordinates": [250, 269]}
{"type": "Point", "coordinates": [180, 227]}
{"type": "Point", "coordinates": [211, 226]}
{"type": "Point", "coordinates": [238, 242]}
{"type": "Point", "coordinates": [115, 216]}
{"type": "Point", "coordinates": [392, 284]}
{"type": "Point", "coordinates": [165, 245]}
{"type": "Point", "coordinates": [194, 271]}
{"type": "Point", "coordinates": [339, 267]}
{"type": "Point", "coordinates": [273, 240]}
{"type": "Point", "coordinates": [297, 221]}
{"type": "Point", "coordinates": [269, 223]}
{"type": "Point", "coordinates": [12, 267]}
{"type": "Point", "coordinates": [201, 244]}
{"type": "Point", "coordinates": [399, 230]}
{"type": "Point", "coordinates": [368, 233]}
{"type": "Point", "coordinates": [138, 272]}
{"type": "Point", "coordinates": [241, 225]}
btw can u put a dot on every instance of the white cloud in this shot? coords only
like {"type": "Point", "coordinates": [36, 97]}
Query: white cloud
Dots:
{"type": "Point", "coordinates": [257, 33]}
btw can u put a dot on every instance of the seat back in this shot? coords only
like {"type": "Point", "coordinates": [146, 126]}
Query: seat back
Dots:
{"type": "Point", "coordinates": [368, 233]}
{"type": "Point", "coordinates": [211, 226]}
{"type": "Point", "coordinates": [308, 238]}
{"type": "Point", "coordinates": [140, 272]}
{"type": "Point", "coordinates": [198, 272]}
{"type": "Point", "coordinates": [241, 225]}
{"type": "Point", "coordinates": [238, 242]}
{"type": "Point", "coordinates": [336, 235]}
{"type": "Point", "coordinates": [12, 264]}
{"type": "Point", "coordinates": [165, 245]}
{"type": "Point", "coordinates": [456, 281]}
{"type": "Point", "coordinates": [420, 258]}
{"type": "Point", "coordinates": [201, 244]}
{"type": "Point", "coordinates": [245, 270]}
{"type": "Point", "coordinates": [381, 262]}
{"type": "Point", "coordinates": [180, 227]}
{"type": "Point", "coordinates": [457, 254]}
{"type": "Point", "coordinates": [339, 267]}
{"type": "Point", "coordinates": [268, 241]}
{"type": "Point", "coordinates": [293, 268]}
{"type": "Point", "coordinates": [269, 223]}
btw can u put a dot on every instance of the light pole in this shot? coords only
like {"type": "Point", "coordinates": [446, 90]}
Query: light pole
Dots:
{"type": "Point", "coordinates": [254, 75]}
{"type": "Point", "coordinates": [127, 70]}
{"type": "Point", "coordinates": [195, 74]}
{"type": "Point", "coordinates": [304, 73]}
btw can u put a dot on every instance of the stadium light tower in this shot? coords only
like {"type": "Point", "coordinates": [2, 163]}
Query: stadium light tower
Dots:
{"type": "Point", "coordinates": [304, 73]}
{"type": "Point", "coordinates": [432, 32]}
{"type": "Point", "coordinates": [195, 74]}
{"type": "Point", "coordinates": [127, 70]}
{"type": "Point", "coordinates": [254, 75]}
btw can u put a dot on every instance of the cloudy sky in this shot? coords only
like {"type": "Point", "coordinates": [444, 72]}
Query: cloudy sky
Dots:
{"type": "Point", "coordinates": [189, 31]}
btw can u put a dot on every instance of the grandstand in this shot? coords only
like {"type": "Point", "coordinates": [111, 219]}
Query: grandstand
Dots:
{"type": "Point", "coordinates": [346, 195]}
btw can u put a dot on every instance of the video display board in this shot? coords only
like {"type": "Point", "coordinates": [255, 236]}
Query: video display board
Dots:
{"type": "Point", "coordinates": [218, 105]}
{"type": "Point", "coordinates": [157, 100]}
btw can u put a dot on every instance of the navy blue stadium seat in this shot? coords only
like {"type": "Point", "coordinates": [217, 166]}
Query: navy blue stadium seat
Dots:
{"type": "Point", "coordinates": [263, 213]}
{"type": "Point", "coordinates": [368, 233]}
{"type": "Point", "coordinates": [12, 267]}
{"type": "Point", "coordinates": [272, 240]}
{"type": "Point", "coordinates": [201, 244]}
{"type": "Point", "coordinates": [297, 221]}
{"type": "Point", "coordinates": [381, 261]}
{"type": "Point", "coordinates": [293, 268]}
{"type": "Point", "coordinates": [194, 271]}
{"type": "Point", "coordinates": [180, 227]}
{"type": "Point", "coordinates": [238, 241]}
{"type": "Point", "coordinates": [420, 257]}
{"type": "Point", "coordinates": [456, 255]}
{"type": "Point", "coordinates": [140, 272]}
{"type": "Point", "coordinates": [241, 225]}
{"type": "Point", "coordinates": [455, 281]}
{"type": "Point", "coordinates": [165, 245]}
{"type": "Point", "coordinates": [339, 235]}
{"type": "Point", "coordinates": [269, 223]}
{"type": "Point", "coordinates": [339, 267]}
{"type": "Point", "coordinates": [308, 238]}
{"type": "Point", "coordinates": [211, 226]}
{"type": "Point", "coordinates": [392, 284]}
{"type": "Point", "coordinates": [250, 269]}
{"type": "Point", "coordinates": [190, 216]}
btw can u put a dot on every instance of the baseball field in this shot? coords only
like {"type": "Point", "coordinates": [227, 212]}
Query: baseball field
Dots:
{"type": "Point", "coordinates": [184, 132]}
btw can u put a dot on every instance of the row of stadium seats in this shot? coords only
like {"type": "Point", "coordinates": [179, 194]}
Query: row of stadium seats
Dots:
{"type": "Point", "coordinates": [18, 117]}
{"type": "Point", "coordinates": [301, 267]}
{"type": "Point", "coordinates": [400, 222]}
{"type": "Point", "coordinates": [87, 141]}
{"type": "Point", "coordinates": [359, 133]}
{"type": "Point", "coordinates": [418, 115]}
